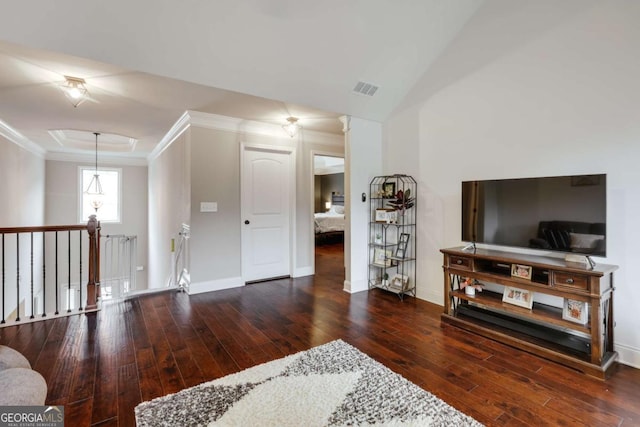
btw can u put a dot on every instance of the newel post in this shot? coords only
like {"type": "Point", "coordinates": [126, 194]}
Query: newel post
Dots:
{"type": "Point", "coordinates": [93, 285]}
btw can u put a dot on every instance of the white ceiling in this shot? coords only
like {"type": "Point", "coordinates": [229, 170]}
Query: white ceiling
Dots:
{"type": "Point", "coordinates": [147, 61]}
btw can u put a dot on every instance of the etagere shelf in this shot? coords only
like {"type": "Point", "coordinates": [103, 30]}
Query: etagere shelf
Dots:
{"type": "Point", "coordinates": [392, 234]}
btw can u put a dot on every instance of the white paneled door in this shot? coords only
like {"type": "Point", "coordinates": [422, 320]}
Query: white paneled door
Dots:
{"type": "Point", "coordinates": [266, 213]}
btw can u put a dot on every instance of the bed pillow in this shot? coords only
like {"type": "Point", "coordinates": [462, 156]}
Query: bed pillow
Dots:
{"type": "Point", "coordinates": [338, 209]}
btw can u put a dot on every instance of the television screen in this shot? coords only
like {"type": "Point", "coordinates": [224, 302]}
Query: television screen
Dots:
{"type": "Point", "coordinates": [561, 213]}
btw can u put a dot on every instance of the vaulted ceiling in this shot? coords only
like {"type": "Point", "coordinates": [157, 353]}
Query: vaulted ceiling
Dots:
{"type": "Point", "coordinates": [147, 61]}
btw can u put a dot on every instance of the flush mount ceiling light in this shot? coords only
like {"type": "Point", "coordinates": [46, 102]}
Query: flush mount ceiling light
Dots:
{"type": "Point", "coordinates": [75, 90]}
{"type": "Point", "coordinates": [292, 127]}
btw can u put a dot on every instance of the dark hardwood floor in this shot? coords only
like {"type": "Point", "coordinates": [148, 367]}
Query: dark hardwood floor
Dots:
{"type": "Point", "coordinates": [101, 366]}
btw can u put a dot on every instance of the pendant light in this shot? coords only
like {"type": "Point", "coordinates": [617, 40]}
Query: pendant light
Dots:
{"type": "Point", "coordinates": [94, 189]}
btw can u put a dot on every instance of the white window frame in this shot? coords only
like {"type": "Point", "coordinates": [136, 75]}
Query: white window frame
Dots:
{"type": "Point", "coordinates": [81, 169]}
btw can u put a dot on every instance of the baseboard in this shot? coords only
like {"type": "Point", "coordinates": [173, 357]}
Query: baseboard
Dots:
{"type": "Point", "coordinates": [353, 287]}
{"type": "Point", "coordinates": [215, 285]}
{"type": "Point", "coordinates": [346, 286]}
{"type": "Point", "coordinates": [628, 355]}
{"type": "Point", "coordinates": [302, 272]}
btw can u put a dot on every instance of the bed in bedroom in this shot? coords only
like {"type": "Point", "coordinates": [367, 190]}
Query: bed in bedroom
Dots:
{"type": "Point", "coordinates": [329, 226]}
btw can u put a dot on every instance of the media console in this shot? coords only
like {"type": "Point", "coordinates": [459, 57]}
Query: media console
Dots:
{"type": "Point", "coordinates": [543, 330]}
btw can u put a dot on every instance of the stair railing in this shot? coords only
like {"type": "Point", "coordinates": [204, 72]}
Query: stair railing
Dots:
{"type": "Point", "coordinates": [47, 271]}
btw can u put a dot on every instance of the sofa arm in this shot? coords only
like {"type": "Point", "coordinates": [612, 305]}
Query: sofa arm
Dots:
{"type": "Point", "coordinates": [538, 243]}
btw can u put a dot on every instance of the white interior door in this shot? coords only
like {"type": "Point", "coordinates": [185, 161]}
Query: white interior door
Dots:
{"type": "Point", "coordinates": [266, 214]}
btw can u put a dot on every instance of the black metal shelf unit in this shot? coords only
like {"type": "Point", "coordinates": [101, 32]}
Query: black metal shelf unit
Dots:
{"type": "Point", "coordinates": [392, 234]}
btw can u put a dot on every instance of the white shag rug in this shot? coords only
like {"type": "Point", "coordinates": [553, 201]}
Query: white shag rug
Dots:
{"type": "Point", "coordinates": [330, 385]}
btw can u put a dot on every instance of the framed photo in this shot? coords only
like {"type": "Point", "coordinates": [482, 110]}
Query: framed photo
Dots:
{"type": "Point", "coordinates": [382, 215]}
{"type": "Point", "coordinates": [519, 297]}
{"type": "Point", "coordinates": [575, 311]}
{"type": "Point", "coordinates": [382, 257]}
{"type": "Point", "coordinates": [404, 238]}
{"type": "Point", "coordinates": [521, 271]}
{"type": "Point", "coordinates": [388, 189]}
{"type": "Point", "coordinates": [399, 253]}
{"type": "Point", "coordinates": [399, 281]}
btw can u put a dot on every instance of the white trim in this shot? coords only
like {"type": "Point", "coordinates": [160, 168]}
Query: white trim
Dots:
{"type": "Point", "coordinates": [359, 286]}
{"type": "Point", "coordinates": [233, 124]}
{"type": "Point", "coordinates": [302, 272]}
{"type": "Point", "coordinates": [176, 130]}
{"type": "Point", "coordinates": [128, 160]}
{"type": "Point", "coordinates": [346, 286]}
{"type": "Point", "coordinates": [628, 355]}
{"type": "Point", "coordinates": [20, 140]}
{"type": "Point", "coordinates": [215, 285]}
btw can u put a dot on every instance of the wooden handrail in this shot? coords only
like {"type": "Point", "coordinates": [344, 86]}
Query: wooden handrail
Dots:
{"type": "Point", "coordinates": [93, 230]}
{"type": "Point", "coordinates": [41, 228]}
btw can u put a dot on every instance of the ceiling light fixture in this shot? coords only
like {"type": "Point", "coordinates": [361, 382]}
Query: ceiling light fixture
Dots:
{"type": "Point", "coordinates": [75, 90]}
{"type": "Point", "coordinates": [94, 189]}
{"type": "Point", "coordinates": [292, 127]}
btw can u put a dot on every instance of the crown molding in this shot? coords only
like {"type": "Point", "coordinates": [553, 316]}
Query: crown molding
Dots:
{"type": "Point", "coordinates": [20, 140]}
{"type": "Point", "coordinates": [242, 126]}
{"type": "Point", "coordinates": [104, 159]}
{"type": "Point", "coordinates": [176, 130]}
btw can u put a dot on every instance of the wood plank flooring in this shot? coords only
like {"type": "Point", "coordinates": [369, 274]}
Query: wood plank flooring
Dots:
{"type": "Point", "coordinates": [101, 366]}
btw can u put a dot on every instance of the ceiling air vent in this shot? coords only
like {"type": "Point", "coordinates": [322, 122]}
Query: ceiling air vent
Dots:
{"type": "Point", "coordinates": [363, 88]}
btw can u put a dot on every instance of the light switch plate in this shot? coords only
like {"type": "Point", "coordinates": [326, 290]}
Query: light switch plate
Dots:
{"type": "Point", "coordinates": [208, 207]}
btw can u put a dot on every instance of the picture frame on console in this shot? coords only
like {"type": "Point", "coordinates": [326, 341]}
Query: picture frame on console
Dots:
{"type": "Point", "coordinates": [575, 311]}
{"type": "Point", "coordinates": [521, 271]}
{"type": "Point", "coordinates": [519, 297]}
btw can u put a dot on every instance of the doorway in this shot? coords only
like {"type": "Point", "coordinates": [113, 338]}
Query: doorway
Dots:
{"type": "Point", "coordinates": [329, 217]}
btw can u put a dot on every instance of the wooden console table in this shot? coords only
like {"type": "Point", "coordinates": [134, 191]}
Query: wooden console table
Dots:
{"type": "Point", "coordinates": [541, 330]}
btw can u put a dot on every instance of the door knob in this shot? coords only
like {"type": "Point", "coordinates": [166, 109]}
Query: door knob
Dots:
{"type": "Point", "coordinates": [246, 221]}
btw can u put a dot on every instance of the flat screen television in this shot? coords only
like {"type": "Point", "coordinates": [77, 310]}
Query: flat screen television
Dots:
{"type": "Point", "coordinates": [559, 213]}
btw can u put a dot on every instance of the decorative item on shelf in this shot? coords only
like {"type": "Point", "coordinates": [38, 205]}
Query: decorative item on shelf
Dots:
{"type": "Point", "coordinates": [382, 215]}
{"type": "Point", "coordinates": [400, 282]}
{"type": "Point", "coordinates": [382, 257]}
{"type": "Point", "coordinates": [385, 279]}
{"type": "Point", "coordinates": [388, 189]}
{"type": "Point", "coordinates": [403, 242]}
{"type": "Point", "coordinates": [521, 271]}
{"type": "Point", "coordinates": [378, 238]}
{"type": "Point", "coordinates": [402, 201]}
{"type": "Point", "coordinates": [575, 311]}
{"type": "Point", "coordinates": [519, 297]}
{"type": "Point", "coordinates": [471, 285]}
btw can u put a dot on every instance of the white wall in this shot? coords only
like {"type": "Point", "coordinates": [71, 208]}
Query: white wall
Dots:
{"type": "Point", "coordinates": [553, 84]}
{"type": "Point", "coordinates": [21, 186]}
{"type": "Point", "coordinates": [22, 198]}
{"type": "Point", "coordinates": [169, 207]}
{"type": "Point", "coordinates": [363, 161]}
{"type": "Point", "coordinates": [62, 204]}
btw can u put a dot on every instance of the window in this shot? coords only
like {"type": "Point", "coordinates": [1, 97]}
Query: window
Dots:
{"type": "Point", "coordinates": [110, 181]}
